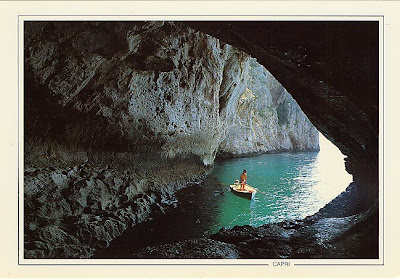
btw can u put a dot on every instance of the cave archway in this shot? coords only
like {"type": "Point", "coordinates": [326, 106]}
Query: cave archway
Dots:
{"type": "Point", "coordinates": [71, 94]}
{"type": "Point", "coordinates": [330, 69]}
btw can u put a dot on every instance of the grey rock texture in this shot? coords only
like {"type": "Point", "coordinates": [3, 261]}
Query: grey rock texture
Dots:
{"type": "Point", "coordinates": [72, 212]}
{"type": "Point", "coordinates": [157, 87]}
{"type": "Point", "coordinates": [191, 249]}
{"type": "Point", "coordinates": [267, 119]}
{"type": "Point", "coordinates": [118, 117]}
{"type": "Point", "coordinates": [150, 85]}
{"type": "Point", "coordinates": [345, 228]}
{"type": "Point", "coordinates": [331, 69]}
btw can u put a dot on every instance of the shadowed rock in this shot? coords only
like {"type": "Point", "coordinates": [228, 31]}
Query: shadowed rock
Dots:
{"type": "Point", "coordinates": [121, 115]}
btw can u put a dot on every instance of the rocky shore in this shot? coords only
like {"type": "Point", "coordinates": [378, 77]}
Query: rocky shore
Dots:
{"type": "Point", "coordinates": [121, 115]}
{"type": "Point", "coordinates": [72, 212]}
{"type": "Point", "coordinates": [347, 228]}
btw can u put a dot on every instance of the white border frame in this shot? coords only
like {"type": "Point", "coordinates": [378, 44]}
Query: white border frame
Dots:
{"type": "Point", "coordinates": [260, 262]}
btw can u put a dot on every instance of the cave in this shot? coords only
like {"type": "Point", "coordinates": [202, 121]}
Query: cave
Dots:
{"type": "Point", "coordinates": [108, 137]}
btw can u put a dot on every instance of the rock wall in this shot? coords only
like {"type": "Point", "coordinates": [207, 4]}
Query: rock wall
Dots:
{"type": "Point", "coordinates": [118, 117]}
{"type": "Point", "coordinates": [332, 70]}
{"type": "Point", "coordinates": [71, 212]}
{"type": "Point", "coordinates": [157, 86]}
{"type": "Point", "coordinates": [267, 119]}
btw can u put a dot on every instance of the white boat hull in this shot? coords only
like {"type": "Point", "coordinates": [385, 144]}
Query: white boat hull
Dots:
{"type": "Point", "coordinates": [248, 192]}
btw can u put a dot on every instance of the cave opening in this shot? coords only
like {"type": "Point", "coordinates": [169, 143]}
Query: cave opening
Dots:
{"type": "Point", "coordinates": [89, 182]}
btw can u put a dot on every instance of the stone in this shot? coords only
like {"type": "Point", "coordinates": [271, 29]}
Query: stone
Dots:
{"type": "Point", "coordinates": [190, 249]}
{"type": "Point", "coordinates": [128, 113]}
{"type": "Point", "coordinates": [267, 119]}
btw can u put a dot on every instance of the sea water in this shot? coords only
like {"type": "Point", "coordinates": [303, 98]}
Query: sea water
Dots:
{"type": "Point", "coordinates": [290, 185]}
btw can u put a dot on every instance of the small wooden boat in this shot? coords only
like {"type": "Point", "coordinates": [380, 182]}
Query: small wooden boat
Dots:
{"type": "Point", "coordinates": [248, 192]}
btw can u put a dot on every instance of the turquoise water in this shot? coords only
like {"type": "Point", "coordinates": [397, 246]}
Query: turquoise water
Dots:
{"type": "Point", "coordinates": [291, 186]}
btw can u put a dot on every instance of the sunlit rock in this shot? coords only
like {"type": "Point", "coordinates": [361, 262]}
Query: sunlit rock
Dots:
{"type": "Point", "coordinates": [266, 118]}
{"type": "Point", "coordinates": [121, 115]}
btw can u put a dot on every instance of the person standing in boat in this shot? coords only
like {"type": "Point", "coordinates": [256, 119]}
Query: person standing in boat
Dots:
{"type": "Point", "coordinates": [243, 179]}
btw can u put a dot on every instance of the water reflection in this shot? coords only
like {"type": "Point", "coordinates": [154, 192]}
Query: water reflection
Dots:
{"type": "Point", "coordinates": [291, 185]}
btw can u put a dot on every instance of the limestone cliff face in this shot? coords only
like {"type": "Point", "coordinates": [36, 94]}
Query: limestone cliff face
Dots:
{"type": "Point", "coordinates": [119, 116]}
{"type": "Point", "coordinates": [267, 118]}
{"type": "Point", "coordinates": [155, 85]}
{"type": "Point", "coordinates": [331, 69]}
